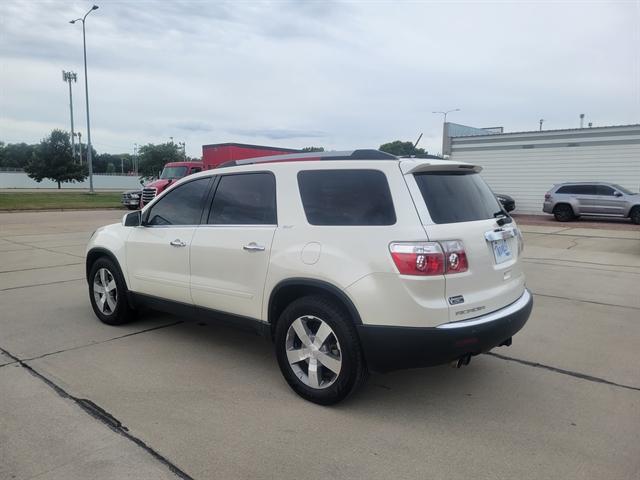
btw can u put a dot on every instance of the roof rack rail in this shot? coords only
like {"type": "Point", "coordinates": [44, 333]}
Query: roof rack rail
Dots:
{"type": "Point", "coordinates": [361, 154]}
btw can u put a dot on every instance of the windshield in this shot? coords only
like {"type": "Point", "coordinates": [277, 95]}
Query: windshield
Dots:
{"type": "Point", "coordinates": [622, 189]}
{"type": "Point", "coordinates": [173, 172]}
{"type": "Point", "coordinates": [457, 197]}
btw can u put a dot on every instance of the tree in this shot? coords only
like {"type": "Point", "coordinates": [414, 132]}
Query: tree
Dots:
{"type": "Point", "coordinates": [401, 148]}
{"type": "Point", "coordinates": [152, 158]}
{"type": "Point", "coordinates": [53, 159]}
{"type": "Point", "coordinates": [313, 149]}
{"type": "Point", "coordinates": [16, 155]}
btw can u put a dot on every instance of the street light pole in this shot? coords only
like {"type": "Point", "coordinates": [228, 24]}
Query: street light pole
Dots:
{"type": "Point", "coordinates": [444, 114]}
{"type": "Point", "coordinates": [69, 77]}
{"type": "Point", "coordinates": [86, 92]}
{"type": "Point", "coordinates": [445, 130]}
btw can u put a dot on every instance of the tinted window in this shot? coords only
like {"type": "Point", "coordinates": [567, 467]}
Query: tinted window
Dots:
{"type": "Point", "coordinates": [346, 197]}
{"type": "Point", "coordinates": [180, 206]}
{"type": "Point", "coordinates": [578, 190]}
{"type": "Point", "coordinates": [245, 199]}
{"type": "Point", "coordinates": [604, 190]}
{"type": "Point", "coordinates": [457, 197]}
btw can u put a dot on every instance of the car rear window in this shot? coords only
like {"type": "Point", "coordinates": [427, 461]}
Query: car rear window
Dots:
{"type": "Point", "coordinates": [453, 197]}
{"type": "Point", "coordinates": [346, 197]}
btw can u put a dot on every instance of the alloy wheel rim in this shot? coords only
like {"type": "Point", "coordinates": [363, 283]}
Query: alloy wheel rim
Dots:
{"type": "Point", "coordinates": [105, 291]}
{"type": "Point", "coordinates": [313, 352]}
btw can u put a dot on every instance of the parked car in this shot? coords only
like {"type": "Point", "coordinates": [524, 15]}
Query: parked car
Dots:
{"type": "Point", "coordinates": [568, 201]}
{"type": "Point", "coordinates": [131, 199]}
{"type": "Point", "coordinates": [351, 262]}
{"type": "Point", "coordinates": [507, 202]}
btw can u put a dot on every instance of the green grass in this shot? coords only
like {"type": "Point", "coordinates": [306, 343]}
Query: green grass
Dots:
{"type": "Point", "coordinates": [57, 200]}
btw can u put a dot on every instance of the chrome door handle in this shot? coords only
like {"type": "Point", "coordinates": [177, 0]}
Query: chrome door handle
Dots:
{"type": "Point", "coordinates": [177, 243]}
{"type": "Point", "coordinates": [253, 247]}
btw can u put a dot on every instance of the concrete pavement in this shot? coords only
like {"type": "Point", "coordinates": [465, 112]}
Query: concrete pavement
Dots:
{"type": "Point", "coordinates": [162, 398]}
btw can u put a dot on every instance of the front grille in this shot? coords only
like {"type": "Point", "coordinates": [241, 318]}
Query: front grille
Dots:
{"type": "Point", "coordinates": [148, 194]}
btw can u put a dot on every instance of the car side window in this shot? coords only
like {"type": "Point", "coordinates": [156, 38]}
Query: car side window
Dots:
{"type": "Point", "coordinates": [605, 190]}
{"type": "Point", "coordinates": [589, 189]}
{"type": "Point", "coordinates": [346, 197]}
{"type": "Point", "coordinates": [244, 199]}
{"type": "Point", "coordinates": [181, 206]}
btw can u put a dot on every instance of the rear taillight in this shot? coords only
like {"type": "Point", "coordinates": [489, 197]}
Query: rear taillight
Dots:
{"type": "Point", "coordinates": [455, 256]}
{"type": "Point", "coordinates": [429, 258]}
{"type": "Point", "coordinates": [418, 258]}
{"type": "Point", "coordinates": [547, 196]}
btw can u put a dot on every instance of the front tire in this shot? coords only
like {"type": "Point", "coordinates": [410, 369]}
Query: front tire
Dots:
{"type": "Point", "coordinates": [108, 293]}
{"type": "Point", "coordinates": [635, 215]}
{"type": "Point", "coordinates": [318, 350]}
{"type": "Point", "coordinates": [563, 213]}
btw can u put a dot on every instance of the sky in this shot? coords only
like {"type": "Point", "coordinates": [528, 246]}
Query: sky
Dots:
{"type": "Point", "coordinates": [336, 74]}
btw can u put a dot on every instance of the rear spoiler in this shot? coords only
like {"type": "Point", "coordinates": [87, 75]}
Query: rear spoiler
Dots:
{"type": "Point", "coordinates": [418, 165]}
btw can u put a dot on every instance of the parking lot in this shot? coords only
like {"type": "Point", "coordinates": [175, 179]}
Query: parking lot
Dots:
{"type": "Point", "coordinates": [167, 398]}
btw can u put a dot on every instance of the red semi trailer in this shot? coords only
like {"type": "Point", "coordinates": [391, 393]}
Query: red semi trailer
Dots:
{"type": "Point", "coordinates": [212, 156]}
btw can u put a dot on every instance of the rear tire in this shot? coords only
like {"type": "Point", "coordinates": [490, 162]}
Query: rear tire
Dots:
{"type": "Point", "coordinates": [635, 215]}
{"type": "Point", "coordinates": [563, 213]}
{"type": "Point", "coordinates": [318, 350]}
{"type": "Point", "coordinates": [108, 293]}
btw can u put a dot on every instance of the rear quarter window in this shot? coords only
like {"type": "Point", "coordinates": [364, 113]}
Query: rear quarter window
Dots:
{"type": "Point", "coordinates": [453, 197]}
{"type": "Point", "coordinates": [346, 197]}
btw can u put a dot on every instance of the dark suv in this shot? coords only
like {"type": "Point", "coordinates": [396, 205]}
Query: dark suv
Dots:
{"type": "Point", "coordinates": [568, 201]}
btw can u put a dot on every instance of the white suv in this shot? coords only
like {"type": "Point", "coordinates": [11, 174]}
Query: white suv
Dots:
{"type": "Point", "coordinates": [348, 261]}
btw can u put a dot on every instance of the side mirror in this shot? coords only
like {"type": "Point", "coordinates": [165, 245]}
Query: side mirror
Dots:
{"type": "Point", "coordinates": [133, 219]}
{"type": "Point", "coordinates": [509, 207]}
{"type": "Point", "coordinates": [141, 182]}
{"type": "Point", "coordinates": [618, 194]}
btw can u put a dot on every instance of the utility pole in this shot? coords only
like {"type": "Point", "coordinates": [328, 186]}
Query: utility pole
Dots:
{"type": "Point", "coordinates": [582, 120]}
{"type": "Point", "coordinates": [135, 158]}
{"type": "Point", "coordinates": [71, 77]}
{"type": "Point", "coordinates": [445, 130]}
{"type": "Point", "coordinates": [541, 122]}
{"type": "Point", "coordinates": [86, 93]}
{"type": "Point", "coordinates": [80, 146]}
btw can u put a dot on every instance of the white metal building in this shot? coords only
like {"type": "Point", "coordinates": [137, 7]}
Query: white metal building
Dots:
{"type": "Point", "coordinates": [526, 164]}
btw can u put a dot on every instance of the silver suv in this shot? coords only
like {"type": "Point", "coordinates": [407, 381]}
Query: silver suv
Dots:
{"type": "Point", "coordinates": [568, 201]}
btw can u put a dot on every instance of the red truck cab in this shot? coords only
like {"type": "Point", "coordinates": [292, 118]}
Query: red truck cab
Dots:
{"type": "Point", "coordinates": [212, 156]}
{"type": "Point", "coordinates": [170, 173]}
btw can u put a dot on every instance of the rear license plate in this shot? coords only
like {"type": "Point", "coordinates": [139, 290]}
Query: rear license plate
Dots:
{"type": "Point", "coordinates": [501, 251]}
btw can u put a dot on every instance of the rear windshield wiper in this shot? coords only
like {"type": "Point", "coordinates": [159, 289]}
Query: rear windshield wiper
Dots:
{"type": "Point", "coordinates": [502, 217]}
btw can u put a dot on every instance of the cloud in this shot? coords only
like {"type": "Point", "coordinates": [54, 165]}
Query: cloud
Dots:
{"type": "Point", "coordinates": [277, 133]}
{"type": "Point", "coordinates": [345, 74]}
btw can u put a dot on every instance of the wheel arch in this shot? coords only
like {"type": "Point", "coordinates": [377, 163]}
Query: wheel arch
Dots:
{"type": "Point", "coordinates": [289, 290]}
{"type": "Point", "coordinates": [97, 252]}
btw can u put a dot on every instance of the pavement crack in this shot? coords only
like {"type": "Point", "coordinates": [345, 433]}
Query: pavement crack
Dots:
{"type": "Point", "coordinates": [40, 268]}
{"type": "Point", "coordinates": [562, 371]}
{"type": "Point", "coordinates": [103, 341]}
{"type": "Point", "coordinates": [103, 417]}
{"type": "Point", "coordinates": [585, 301]}
{"type": "Point", "coordinates": [41, 284]}
{"type": "Point", "coordinates": [42, 248]}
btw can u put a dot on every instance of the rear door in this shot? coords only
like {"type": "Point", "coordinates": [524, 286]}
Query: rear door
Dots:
{"type": "Point", "coordinates": [230, 250]}
{"type": "Point", "coordinates": [454, 203]}
{"type": "Point", "coordinates": [587, 199]}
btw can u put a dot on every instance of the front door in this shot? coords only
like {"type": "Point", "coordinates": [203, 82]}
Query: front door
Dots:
{"type": "Point", "coordinates": [230, 250]}
{"type": "Point", "coordinates": [608, 202]}
{"type": "Point", "coordinates": [158, 251]}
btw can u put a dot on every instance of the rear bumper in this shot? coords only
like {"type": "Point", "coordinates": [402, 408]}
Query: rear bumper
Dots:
{"type": "Point", "coordinates": [547, 207]}
{"type": "Point", "coordinates": [393, 348]}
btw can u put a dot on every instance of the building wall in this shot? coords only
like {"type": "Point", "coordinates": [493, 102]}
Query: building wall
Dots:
{"type": "Point", "coordinates": [526, 165]}
{"type": "Point", "coordinates": [106, 182]}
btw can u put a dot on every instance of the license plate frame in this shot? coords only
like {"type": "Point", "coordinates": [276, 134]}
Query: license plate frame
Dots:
{"type": "Point", "coordinates": [501, 251]}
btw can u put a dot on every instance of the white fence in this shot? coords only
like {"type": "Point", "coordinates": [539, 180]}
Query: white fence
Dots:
{"type": "Point", "coordinates": [100, 181]}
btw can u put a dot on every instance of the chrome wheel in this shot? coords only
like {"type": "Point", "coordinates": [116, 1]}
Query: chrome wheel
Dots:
{"type": "Point", "coordinates": [313, 352]}
{"type": "Point", "coordinates": [105, 292]}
